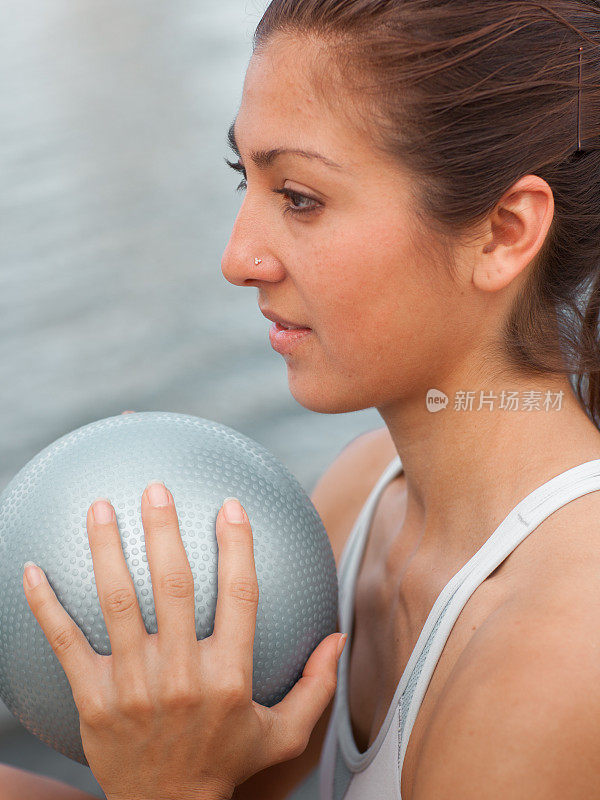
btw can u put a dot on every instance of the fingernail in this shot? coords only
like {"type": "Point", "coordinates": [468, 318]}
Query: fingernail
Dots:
{"type": "Point", "coordinates": [341, 644]}
{"type": "Point", "coordinates": [157, 494]}
{"type": "Point", "coordinates": [33, 576]}
{"type": "Point", "coordinates": [233, 510]}
{"type": "Point", "coordinates": [102, 511]}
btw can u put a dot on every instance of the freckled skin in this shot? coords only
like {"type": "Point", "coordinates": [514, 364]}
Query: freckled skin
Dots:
{"type": "Point", "coordinates": [329, 272]}
{"type": "Point", "coordinates": [390, 319]}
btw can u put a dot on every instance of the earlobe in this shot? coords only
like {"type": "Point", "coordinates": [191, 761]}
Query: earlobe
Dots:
{"type": "Point", "coordinates": [495, 272]}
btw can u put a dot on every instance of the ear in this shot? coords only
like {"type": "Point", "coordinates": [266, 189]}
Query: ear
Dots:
{"type": "Point", "coordinates": [516, 230]}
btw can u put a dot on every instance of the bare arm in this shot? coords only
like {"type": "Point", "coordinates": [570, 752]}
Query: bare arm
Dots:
{"type": "Point", "coordinates": [18, 784]}
{"type": "Point", "coordinates": [525, 726]}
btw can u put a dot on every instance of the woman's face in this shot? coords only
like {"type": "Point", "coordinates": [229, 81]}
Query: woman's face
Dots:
{"type": "Point", "coordinates": [350, 263]}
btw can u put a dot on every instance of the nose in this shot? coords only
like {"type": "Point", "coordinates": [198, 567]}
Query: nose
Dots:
{"type": "Point", "coordinates": [246, 246]}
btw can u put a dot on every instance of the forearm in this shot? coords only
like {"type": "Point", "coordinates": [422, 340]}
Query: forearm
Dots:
{"type": "Point", "coordinates": [18, 784]}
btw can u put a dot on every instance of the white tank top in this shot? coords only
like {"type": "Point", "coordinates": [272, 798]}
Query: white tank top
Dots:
{"type": "Point", "coordinates": [345, 772]}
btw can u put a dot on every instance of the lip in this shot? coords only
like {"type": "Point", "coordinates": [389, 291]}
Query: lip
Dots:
{"type": "Point", "coordinates": [281, 320]}
{"type": "Point", "coordinates": [284, 341]}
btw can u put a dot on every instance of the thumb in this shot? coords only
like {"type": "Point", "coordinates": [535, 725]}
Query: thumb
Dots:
{"type": "Point", "coordinates": [300, 710]}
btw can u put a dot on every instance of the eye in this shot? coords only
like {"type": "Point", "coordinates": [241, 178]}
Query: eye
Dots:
{"type": "Point", "coordinates": [295, 197]}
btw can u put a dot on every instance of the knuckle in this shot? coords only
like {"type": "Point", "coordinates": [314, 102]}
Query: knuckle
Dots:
{"type": "Point", "coordinates": [330, 685]}
{"type": "Point", "coordinates": [102, 540]}
{"type": "Point", "coordinates": [244, 589]}
{"type": "Point", "coordinates": [294, 745]}
{"type": "Point", "coordinates": [178, 696]}
{"type": "Point", "coordinates": [238, 537]}
{"type": "Point", "coordinates": [92, 711]}
{"type": "Point", "coordinates": [162, 521]}
{"type": "Point", "coordinates": [120, 601]}
{"type": "Point", "coordinates": [135, 703]}
{"type": "Point", "coordinates": [232, 689]}
{"type": "Point", "coordinates": [41, 604]}
{"type": "Point", "coordinates": [179, 689]}
{"type": "Point", "coordinates": [62, 638]}
{"type": "Point", "coordinates": [178, 584]}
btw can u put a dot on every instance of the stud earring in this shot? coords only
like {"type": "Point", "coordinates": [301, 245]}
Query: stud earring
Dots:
{"type": "Point", "coordinates": [257, 260]}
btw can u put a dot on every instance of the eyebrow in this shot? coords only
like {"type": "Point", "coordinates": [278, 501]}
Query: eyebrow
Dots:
{"type": "Point", "coordinates": [265, 158]}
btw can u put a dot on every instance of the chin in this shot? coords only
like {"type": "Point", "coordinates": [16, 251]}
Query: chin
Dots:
{"type": "Point", "coordinates": [325, 397]}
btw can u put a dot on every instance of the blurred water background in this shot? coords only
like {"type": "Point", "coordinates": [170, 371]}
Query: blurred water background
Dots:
{"type": "Point", "coordinates": [115, 208]}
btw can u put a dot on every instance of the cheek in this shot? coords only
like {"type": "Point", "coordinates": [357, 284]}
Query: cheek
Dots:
{"type": "Point", "coordinates": [386, 326]}
{"type": "Point", "coordinates": [376, 294]}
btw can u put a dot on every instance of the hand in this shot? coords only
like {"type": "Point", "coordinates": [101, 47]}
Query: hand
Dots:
{"type": "Point", "coordinates": [165, 715]}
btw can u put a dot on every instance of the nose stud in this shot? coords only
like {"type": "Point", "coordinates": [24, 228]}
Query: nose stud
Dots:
{"type": "Point", "coordinates": [257, 260]}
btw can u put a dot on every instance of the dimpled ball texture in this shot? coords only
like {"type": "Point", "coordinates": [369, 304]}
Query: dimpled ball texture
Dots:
{"type": "Point", "coordinates": [43, 519]}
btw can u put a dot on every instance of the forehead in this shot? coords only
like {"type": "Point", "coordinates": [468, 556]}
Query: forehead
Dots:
{"type": "Point", "coordinates": [281, 106]}
{"type": "Point", "coordinates": [283, 67]}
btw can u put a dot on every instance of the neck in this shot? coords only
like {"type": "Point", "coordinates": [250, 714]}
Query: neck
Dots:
{"type": "Point", "coordinates": [466, 469]}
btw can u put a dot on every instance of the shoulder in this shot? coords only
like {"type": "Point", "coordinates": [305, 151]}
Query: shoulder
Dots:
{"type": "Point", "coordinates": [341, 491]}
{"type": "Point", "coordinates": [520, 716]}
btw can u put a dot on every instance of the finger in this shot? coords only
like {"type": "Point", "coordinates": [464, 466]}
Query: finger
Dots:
{"type": "Point", "coordinates": [296, 715]}
{"type": "Point", "coordinates": [116, 592]}
{"type": "Point", "coordinates": [237, 596]}
{"type": "Point", "coordinates": [66, 639]}
{"type": "Point", "coordinates": [127, 412]}
{"type": "Point", "coordinates": [172, 579]}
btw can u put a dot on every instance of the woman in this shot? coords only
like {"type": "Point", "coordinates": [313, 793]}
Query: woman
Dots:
{"type": "Point", "coordinates": [438, 236]}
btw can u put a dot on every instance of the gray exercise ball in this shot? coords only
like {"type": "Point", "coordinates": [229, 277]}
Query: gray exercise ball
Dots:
{"type": "Point", "coordinates": [43, 519]}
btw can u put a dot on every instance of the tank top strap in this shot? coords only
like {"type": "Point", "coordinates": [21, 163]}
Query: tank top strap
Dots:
{"type": "Point", "coordinates": [516, 526]}
{"type": "Point", "coordinates": [356, 539]}
{"type": "Point", "coordinates": [351, 550]}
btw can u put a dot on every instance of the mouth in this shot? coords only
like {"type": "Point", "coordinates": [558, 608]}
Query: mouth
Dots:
{"type": "Point", "coordinates": [286, 340]}
{"type": "Point", "coordinates": [282, 323]}
{"type": "Point", "coordinates": [289, 328]}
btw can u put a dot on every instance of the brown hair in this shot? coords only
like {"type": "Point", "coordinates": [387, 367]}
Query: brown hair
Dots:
{"type": "Point", "coordinates": [469, 96]}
